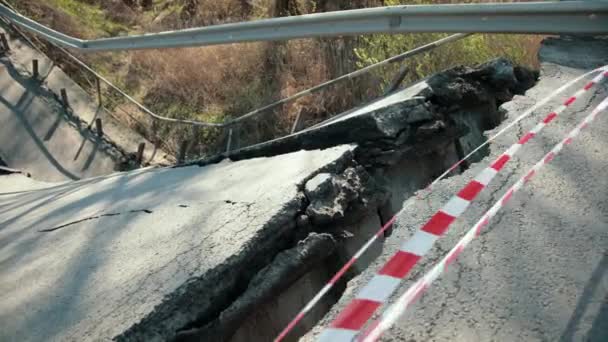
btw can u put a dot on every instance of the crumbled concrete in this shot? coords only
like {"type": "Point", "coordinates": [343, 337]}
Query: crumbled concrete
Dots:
{"type": "Point", "coordinates": [421, 118]}
{"type": "Point", "coordinates": [193, 251]}
{"type": "Point", "coordinates": [538, 273]}
{"type": "Point", "coordinates": [286, 268]}
{"type": "Point", "coordinates": [317, 184]}
{"type": "Point", "coordinates": [409, 141]}
{"type": "Point", "coordinates": [330, 196]}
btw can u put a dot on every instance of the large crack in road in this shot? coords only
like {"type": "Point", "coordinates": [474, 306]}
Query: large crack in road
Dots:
{"type": "Point", "coordinates": [538, 272]}
{"type": "Point", "coordinates": [194, 265]}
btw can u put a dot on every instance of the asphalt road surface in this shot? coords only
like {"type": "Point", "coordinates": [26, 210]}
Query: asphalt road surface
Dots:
{"type": "Point", "coordinates": [38, 136]}
{"type": "Point", "coordinates": [539, 272]}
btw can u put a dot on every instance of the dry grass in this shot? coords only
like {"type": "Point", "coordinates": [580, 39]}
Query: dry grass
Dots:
{"type": "Point", "coordinates": [221, 82]}
{"type": "Point", "coordinates": [198, 77]}
{"type": "Point", "coordinates": [50, 16]}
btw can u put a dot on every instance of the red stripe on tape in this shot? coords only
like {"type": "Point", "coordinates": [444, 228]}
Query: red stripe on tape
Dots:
{"type": "Point", "coordinates": [290, 326]}
{"type": "Point", "coordinates": [550, 117]}
{"type": "Point", "coordinates": [412, 294]}
{"type": "Point", "coordinates": [367, 331]}
{"type": "Point", "coordinates": [526, 138]}
{"type": "Point", "coordinates": [342, 271]}
{"type": "Point", "coordinates": [568, 141]}
{"type": "Point", "coordinates": [549, 157]}
{"type": "Point", "coordinates": [570, 101]}
{"type": "Point", "coordinates": [482, 224]}
{"type": "Point", "coordinates": [450, 259]}
{"type": "Point", "coordinates": [419, 292]}
{"type": "Point", "coordinates": [355, 314]}
{"type": "Point", "coordinates": [471, 190]}
{"type": "Point", "coordinates": [529, 176]}
{"type": "Point", "coordinates": [400, 264]}
{"type": "Point", "coordinates": [439, 223]}
{"type": "Point", "coordinates": [500, 162]}
{"type": "Point", "coordinates": [507, 197]}
{"type": "Point", "coordinates": [486, 221]}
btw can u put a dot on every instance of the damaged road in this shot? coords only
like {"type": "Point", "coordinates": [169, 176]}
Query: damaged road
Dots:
{"type": "Point", "coordinates": [229, 249]}
{"type": "Point", "coordinates": [538, 272]}
{"type": "Point", "coordinates": [127, 269]}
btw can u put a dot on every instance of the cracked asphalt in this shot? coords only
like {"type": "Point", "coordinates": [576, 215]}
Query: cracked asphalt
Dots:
{"type": "Point", "coordinates": [88, 260]}
{"type": "Point", "coordinates": [539, 272]}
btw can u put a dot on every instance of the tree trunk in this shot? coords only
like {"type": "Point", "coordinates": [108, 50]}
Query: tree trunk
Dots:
{"type": "Point", "coordinates": [284, 8]}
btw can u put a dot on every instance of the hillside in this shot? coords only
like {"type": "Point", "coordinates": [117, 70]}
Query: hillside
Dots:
{"type": "Point", "coordinates": [216, 83]}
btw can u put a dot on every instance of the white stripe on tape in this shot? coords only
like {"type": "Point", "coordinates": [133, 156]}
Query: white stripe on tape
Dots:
{"type": "Point", "coordinates": [333, 334]}
{"type": "Point", "coordinates": [379, 288]}
{"type": "Point", "coordinates": [455, 206]}
{"type": "Point", "coordinates": [538, 127]}
{"type": "Point", "coordinates": [513, 150]}
{"type": "Point", "coordinates": [420, 243]}
{"type": "Point", "coordinates": [486, 176]}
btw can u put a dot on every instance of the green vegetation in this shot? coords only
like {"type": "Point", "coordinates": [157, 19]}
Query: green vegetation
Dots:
{"type": "Point", "coordinates": [91, 17]}
{"type": "Point", "coordinates": [475, 49]}
{"type": "Point", "coordinates": [221, 82]}
{"type": "Point", "coordinates": [471, 50]}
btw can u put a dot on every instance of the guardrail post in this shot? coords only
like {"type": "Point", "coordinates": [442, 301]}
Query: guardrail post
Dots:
{"type": "Point", "coordinates": [236, 137]}
{"type": "Point", "coordinates": [98, 83]}
{"type": "Point", "coordinates": [140, 153]}
{"type": "Point", "coordinates": [5, 46]}
{"type": "Point", "coordinates": [296, 124]}
{"type": "Point", "coordinates": [64, 98]}
{"type": "Point", "coordinates": [394, 85]}
{"type": "Point", "coordinates": [99, 127]}
{"type": "Point", "coordinates": [229, 143]}
{"type": "Point", "coordinates": [195, 141]}
{"type": "Point", "coordinates": [35, 72]}
{"type": "Point", "coordinates": [183, 149]}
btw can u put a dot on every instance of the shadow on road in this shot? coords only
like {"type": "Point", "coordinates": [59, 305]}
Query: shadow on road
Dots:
{"type": "Point", "coordinates": [599, 329]}
{"type": "Point", "coordinates": [16, 110]}
{"type": "Point", "coordinates": [33, 90]}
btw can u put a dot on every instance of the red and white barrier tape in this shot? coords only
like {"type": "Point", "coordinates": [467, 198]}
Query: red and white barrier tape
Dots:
{"type": "Point", "coordinates": [418, 288]}
{"type": "Point", "coordinates": [388, 224]}
{"type": "Point", "coordinates": [350, 321]}
{"type": "Point", "coordinates": [513, 123]}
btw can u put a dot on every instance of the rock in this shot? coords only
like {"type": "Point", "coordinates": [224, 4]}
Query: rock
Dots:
{"type": "Point", "coordinates": [526, 79]}
{"type": "Point", "coordinates": [464, 86]}
{"type": "Point", "coordinates": [331, 195]}
{"type": "Point", "coordinates": [303, 222]}
{"type": "Point", "coordinates": [318, 184]}
{"type": "Point", "coordinates": [499, 73]}
{"type": "Point", "coordinates": [428, 130]}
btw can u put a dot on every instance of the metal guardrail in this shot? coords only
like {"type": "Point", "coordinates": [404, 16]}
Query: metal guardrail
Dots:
{"type": "Point", "coordinates": [394, 59]}
{"type": "Point", "coordinates": [230, 123]}
{"type": "Point", "coordinates": [550, 17]}
{"type": "Point", "coordinates": [553, 17]}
